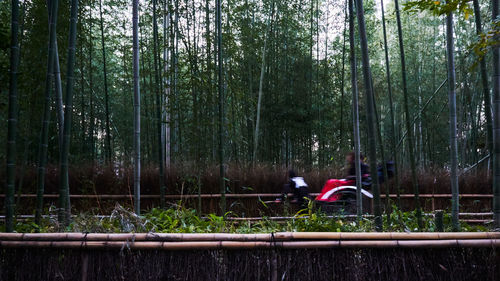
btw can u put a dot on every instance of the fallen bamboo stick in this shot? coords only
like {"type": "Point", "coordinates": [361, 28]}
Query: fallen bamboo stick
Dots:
{"type": "Point", "coordinates": [234, 245]}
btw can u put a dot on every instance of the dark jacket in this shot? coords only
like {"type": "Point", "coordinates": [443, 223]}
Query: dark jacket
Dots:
{"type": "Point", "coordinates": [365, 173]}
{"type": "Point", "coordinates": [366, 180]}
{"type": "Point", "coordinates": [365, 170]}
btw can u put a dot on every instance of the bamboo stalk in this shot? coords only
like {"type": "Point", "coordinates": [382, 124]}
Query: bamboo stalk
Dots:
{"type": "Point", "coordinates": [355, 111]}
{"type": "Point", "coordinates": [407, 117]}
{"type": "Point", "coordinates": [52, 8]}
{"type": "Point", "coordinates": [234, 245]}
{"type": "Point", "coordinates": [222, 126]}
{"type": "Point", "coordinates": [12, 119]}
{"type": "Point", "coordinates": [370, 114]}
{"type": "Point", "coordinates": [137, 108]}
{"type": "Point", "coordinates": [496, 121]}
{"type": "Point", "coordinates": [64, 206]}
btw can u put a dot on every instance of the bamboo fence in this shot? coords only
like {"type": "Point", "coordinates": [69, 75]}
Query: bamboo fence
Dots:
{"type": "Point", "coordinates": [284, 240]}
{"type": "Point", "coordinates": [232, 195]}
{"type": "Point", "coordinates": [470, 218]}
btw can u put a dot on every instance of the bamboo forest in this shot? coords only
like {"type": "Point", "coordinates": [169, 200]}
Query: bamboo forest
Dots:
{"type": "Point", "coordinates": [249, 140]}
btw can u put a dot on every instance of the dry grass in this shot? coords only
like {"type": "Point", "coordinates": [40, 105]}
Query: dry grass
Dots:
{"type": "Point", "coordinates": [262, 178]}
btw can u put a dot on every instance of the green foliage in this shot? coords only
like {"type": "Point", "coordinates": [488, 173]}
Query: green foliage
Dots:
{"type": "Point", "coordinates": [439, 8]}
{"type": "Point", "coordinates": [406, 222]}
{"type": "Point", "coordinates": [182, 220]}
{"type": "Point", "coordinates": [487, 41]}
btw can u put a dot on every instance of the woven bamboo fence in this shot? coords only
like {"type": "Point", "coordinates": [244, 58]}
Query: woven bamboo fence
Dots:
{"type": "Point", "coordinates": [275, 256]}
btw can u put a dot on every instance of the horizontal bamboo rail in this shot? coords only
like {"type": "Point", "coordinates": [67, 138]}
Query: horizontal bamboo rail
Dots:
{"type": "Point", "coordinates": [231, 195]}
{"type": "Point", "coordinates": [285, 240]}
{"type": "Point", "coordinates": [238, 245]}
{"type": "Point", "coordinates": [269, 237]}
{"type": "Point", "coordinates": [489, 214]}
{"type": "Point", "coordinates": [471, 218]}
{"type": "Point", "coordinates": [277, 218]}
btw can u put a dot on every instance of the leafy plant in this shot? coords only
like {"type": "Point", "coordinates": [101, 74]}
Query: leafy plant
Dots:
{"type": "Point", "coordinates": [184, 220]}
{"type": "Point", "coordinates": [486, 41]}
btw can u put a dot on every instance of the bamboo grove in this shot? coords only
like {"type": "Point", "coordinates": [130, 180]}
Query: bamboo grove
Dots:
{"type": "Point", "coordinates": [170, 82]}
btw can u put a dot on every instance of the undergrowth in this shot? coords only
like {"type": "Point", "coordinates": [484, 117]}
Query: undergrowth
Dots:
{"type": "Point", "coordinates": [183, 220]}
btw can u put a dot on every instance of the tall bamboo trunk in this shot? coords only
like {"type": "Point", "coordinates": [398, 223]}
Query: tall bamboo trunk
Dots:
{"type": "Point", "coordinates": [452, 102]}
{"type": "Point", "coordinates": [64, 213]}
{"type": "Point", "coordinates": [355, 112]}
{"type": "Point", "coordinates": [58, 92]}
{"type": "Point", "coordinates": [319, 93]}
{"type": "Point", "coordinates": [166, 77]}
{"type": "Point", "coordinates": [326, 89]}
{"type": "Point", "coordinates": [44, 134]}
{"type": "Point", "coordinates": [391, 109]}
{"type": "Point", "coordinates": [382, 155]}
{"type": "Point", "coordinates": [137, 109]}
{"type": "Point", "coordinates": [372, 142]}
{"type": "Point", "coordinates": [342, 82]}
{"type": "Point", "coordinates": [310, 90]}
{"type": "Point", "coordinates": [411, 150]}
{"type": "Point", "coordinates": [108, 149]}
{"type": "Point", "coordinates": [484, 81]}
{"type": "Point", "coordinates": [91, 86]}
{"type": "Point", "coordinates": [158, 108]}
{"type": "Point", "coordinates": [221, 109]}
{"type": "Point", "coordinates": [209, 85]}
{"type": "Point", "coordinates": [12, 119]}
{"type": "Point", "coordinates": [175, 60]}
{"type": "Point", "coordinates": [259, 101]}
{"type": "Point", "coordinates": [194, 71]}
{"type": "Point", "coordinates": [81, 66]}
{"type": "Point", "coordinates": [171, 102]}
{"type": "Point", "coordinates": [496, 125]}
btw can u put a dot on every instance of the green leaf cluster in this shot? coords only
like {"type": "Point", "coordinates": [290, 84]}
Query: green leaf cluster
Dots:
{"type": "Point", "coordinates": [439, 8]}
{"type": "Point", "coordinates": [487, 40]}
